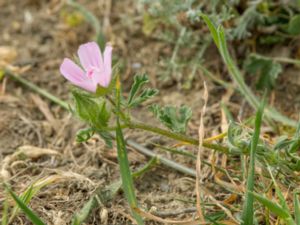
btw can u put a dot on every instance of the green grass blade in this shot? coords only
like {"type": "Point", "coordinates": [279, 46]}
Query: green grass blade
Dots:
{"type": "Point", "coordinates": [4, 219]}
{"type": "Point", "coordinates": [297, 209]}
{"type": "Point", "coordinates": [282, 201]}
{"type": "Point", "coordinates": [272, 206]}
{"type": "Point", "coordinates": [248, 211]}
{"type": "Point", "coordinates": [104, 195]}
{"type": "Point", "coordinates": [126, 176]}
{"type": "Point", "coordinates": [212, 29]}
{"type": "Point", "coordinates": [28, 212]}
{"type": "Point", "coordinates": [218, 36]}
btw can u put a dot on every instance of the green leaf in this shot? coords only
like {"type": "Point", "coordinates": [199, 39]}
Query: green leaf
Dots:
{"type": "Point", "coordinates": [294, 25]}
{"type": "Point", "coordinates": [101, 91]}
{"type": "Point", "coordinates": [106, 136]}
{"type": "Point", "coordinates": [91, 111]}
{"type": "Point", "coordinates": [145, 95]}
{"type": "Point", "coordinates": [126, 176]}
{"type": "Point", "coordinates": [220, 41]}
{"type": "Point", "coordinates": [139, 82]}
{"type": "Point", "coordinates": [282, 201]}
{"type": "Point", "coordinates": [212, 28]}
{"type": "Point", "coordinates": [248, 211]}
{"type": "Point", "coordinates": [272, 206]}
{"type": "Point", "coordinates": [247, 21]}
{"type": "Point", "coordinates": [4, 219]}
{"type": "Point", "coordinates": [266, 68]}
{"type": "Point", "coordinates": [172, 117]}
{"type": "Point", "coordinates": [84, 135]}
{"type": "Point", "coordinates": [28, 212]}
{"type": "Point", "coordinates": [297, 208]}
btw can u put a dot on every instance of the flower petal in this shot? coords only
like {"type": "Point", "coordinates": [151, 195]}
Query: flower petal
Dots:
{"type": "Point", "coordinates": [76, 76]}
{"type": "Point", "coordinates": [106, 76]}
{"type": "Point", "coordinates": [90, 55]}
{"type": "Point", "coordinates": [71, 71]}
{"type": "Point", "coordinates": [88, 85]}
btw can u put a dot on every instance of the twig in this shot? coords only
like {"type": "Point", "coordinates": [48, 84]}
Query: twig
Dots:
{"type": "Point", "coordinates": [175, 212]}
{"type": "Point", "coordinates": [198, 163]}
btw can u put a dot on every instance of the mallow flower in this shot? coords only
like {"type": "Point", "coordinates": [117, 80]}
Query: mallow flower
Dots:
{"type": "Point", "coordinates": [96, 67]}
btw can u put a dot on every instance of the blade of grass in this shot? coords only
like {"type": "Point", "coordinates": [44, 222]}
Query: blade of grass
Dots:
{"type": "Point", "coordinates": [282, 201]}
{"type": "Point", "coordinates": [218, 35]}
{"type": "Point", "coordinates": [248, 211]}
{"type": "Point", "coordinates": [106, 194]}
{"type": "Point", "coordinates": [272, 206]}
{"type": "Point", "coordinates": [297, 208]}
{"type": "Point", "coordinates": [28, 212]}
{"type": "Point", "coordinates": [127, 180]}
{"type": "Point", "coordinates": [4, 219]}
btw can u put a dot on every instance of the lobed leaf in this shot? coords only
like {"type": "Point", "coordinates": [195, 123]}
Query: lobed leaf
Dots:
{"type": "Point", "coordinates": [172, 117]}
{"type": "Point", "coordinates": [139, 82]}
{"type": "Point", "coordinates": [266, 68]}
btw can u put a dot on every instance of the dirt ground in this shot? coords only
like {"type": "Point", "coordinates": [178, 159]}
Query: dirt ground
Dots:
{"type": "Point", "coordinates": [39, 38]}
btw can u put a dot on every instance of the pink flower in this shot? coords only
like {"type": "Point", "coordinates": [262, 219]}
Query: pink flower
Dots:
{"type": "Point", "coordinates": [96, 69]}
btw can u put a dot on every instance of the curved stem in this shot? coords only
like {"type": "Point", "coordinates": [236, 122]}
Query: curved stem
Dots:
{"type": "Point", "coordinates": [176, 136]}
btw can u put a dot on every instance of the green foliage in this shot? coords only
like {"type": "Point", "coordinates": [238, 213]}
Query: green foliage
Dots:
{"type": "Point", "coordinates": [248, 211]}
{"type": "Point", "coordinates": [297, 208]}
{"type": "Point", "coordinates": [139, 82]}
{"type": "Point", "coordinates": [95, 113]}
{"type": "Point", "coordinates": [84, 135]}
{"type": "Point", "coordinates": [28, 212]}
{"type": "Point", "coordinates": [245, 22]}
{"type": "Point", "coordinates": [4, 218]}
{"type": "Point", "coordinates": [267, 69]}
{"type": "Point", "coordinates": [272, 206]}
{"type": "Point", "coordinates": [172, 117]}
{"type": "Point", "coordinates": [294, 25]}
{"type": "Point", "coordinates": [281, 209]}
{"type": "Point", "coordinates": [91, 111]}
{"type": "Point", "coordinates": [218, 35]}
{"type": "Point", "coordinates": [127, 180]}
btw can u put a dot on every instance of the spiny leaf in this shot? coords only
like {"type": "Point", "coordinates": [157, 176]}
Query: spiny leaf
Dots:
{"type": "Point", "coordinates": [172, 117]}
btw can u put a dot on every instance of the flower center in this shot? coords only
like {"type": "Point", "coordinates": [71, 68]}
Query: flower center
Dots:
{"type": "Point", "coordinates": [90, 72]}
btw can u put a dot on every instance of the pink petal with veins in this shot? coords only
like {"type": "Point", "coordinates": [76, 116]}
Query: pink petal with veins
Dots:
{"type": "Point", "coordinates": [90, 56]}
{"type": "Point", "coordinates": [76, 76]}
{"type": "Point", "coordinates": [106, 75]}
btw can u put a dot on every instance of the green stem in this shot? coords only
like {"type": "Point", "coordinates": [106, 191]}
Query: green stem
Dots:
{"type": "Point", "coordinates": [176, 136]}
{"type": "Point", "coordinates": [38, 90]}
